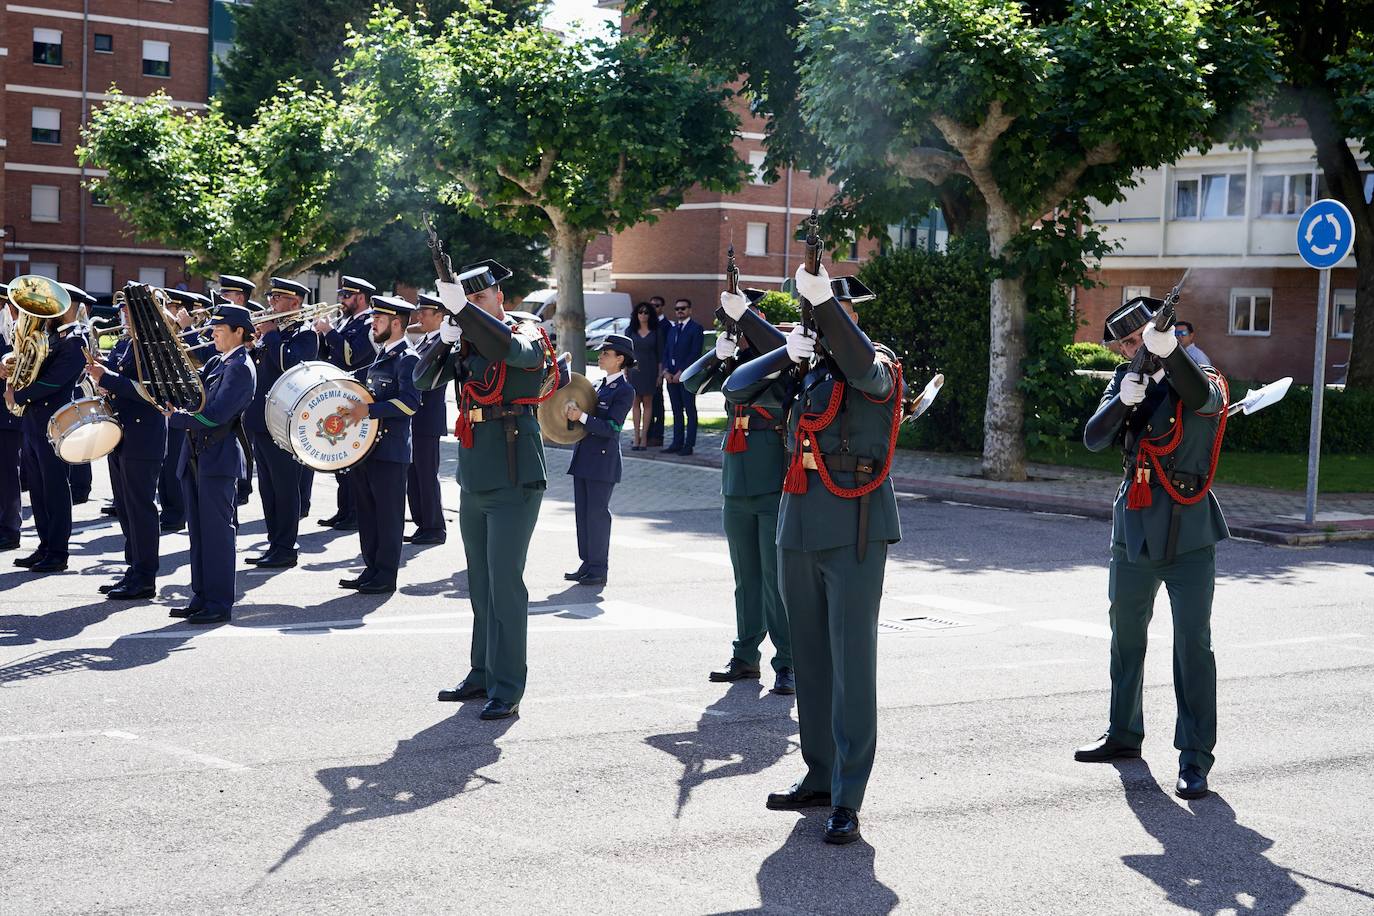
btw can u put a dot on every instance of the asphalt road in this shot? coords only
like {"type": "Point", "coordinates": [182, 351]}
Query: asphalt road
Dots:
{"type": "Point", "coordinates": [296, 761]}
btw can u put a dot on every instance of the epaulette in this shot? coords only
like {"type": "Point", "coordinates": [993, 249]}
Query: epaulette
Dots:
{"type": "Point", "coordinates": [884, 352]}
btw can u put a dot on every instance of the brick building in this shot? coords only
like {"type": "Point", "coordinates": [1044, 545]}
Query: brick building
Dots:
{"type": "Point", "coordinates": [59, 58]}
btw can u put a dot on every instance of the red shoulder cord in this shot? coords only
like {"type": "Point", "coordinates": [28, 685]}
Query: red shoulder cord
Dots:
{"type": "Point", "coordinates": [490, 389]}
{"type": "Point", "coordinates": [811, 424]}
{"type": "Point", "coordinates": [1151, 450]}
{"type": "Point", "coordinates": [737, 441]}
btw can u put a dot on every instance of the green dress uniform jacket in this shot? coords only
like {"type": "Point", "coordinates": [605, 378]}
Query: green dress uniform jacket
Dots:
{"type": "Point", "coordinates": [1164, 542]}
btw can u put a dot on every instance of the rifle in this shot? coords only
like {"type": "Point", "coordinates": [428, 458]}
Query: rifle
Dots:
{"type": "Point", "coordinates": [1144, 362]}
{"type": "Point", "coordinates": [431, 366]}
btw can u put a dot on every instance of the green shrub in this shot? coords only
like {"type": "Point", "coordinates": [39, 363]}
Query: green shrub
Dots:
{"type": "Point", "coordinates": [1347, 422]}
{"type": "Point", "coordinates": [1088, 355]}
{"type": "Point", "coordinates": [778, 307]}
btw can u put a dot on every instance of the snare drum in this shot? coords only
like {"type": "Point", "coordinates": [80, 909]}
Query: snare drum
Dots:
{"type": "Point", "coordinates": [303, 414]}
{"type": "Point", "coordinates": [84, 430]}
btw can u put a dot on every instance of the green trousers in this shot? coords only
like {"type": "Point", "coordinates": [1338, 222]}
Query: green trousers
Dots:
{"type": "Point", "coordinates": [496, 526]}
{"type": "Point", "coordinates": [1189, 579]}
{"type": "Point", "coordinates": [832, 608]}
{"type": "Point", "coordinates": [751, 530]}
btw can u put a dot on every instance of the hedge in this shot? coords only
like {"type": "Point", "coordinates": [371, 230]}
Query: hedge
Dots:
{"type": "Point", "coordinates": [1347, 422]}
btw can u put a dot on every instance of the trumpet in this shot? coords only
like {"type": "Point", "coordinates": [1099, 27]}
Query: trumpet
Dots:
{"type": "Point", "coordinates": [329, 311]}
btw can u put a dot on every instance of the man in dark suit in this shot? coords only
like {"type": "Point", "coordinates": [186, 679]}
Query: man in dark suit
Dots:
{"type": "Point", "coordinates": [682, 342]}
{"type": "Point", "coordinates": [595, 464]}
{"type": "Point", "coordinates": [655, 436]}
{"type": "Point", "coordinates": [428, 425]}
{"type": "Point", "coordinates": [348, 345]}
{"type": "Point", "coordinates": [11, 440]}
{"type": "Point", "coordinates": [210, 462]}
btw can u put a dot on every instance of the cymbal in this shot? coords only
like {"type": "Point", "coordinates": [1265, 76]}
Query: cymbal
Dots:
{"type": "Point", "coordinates": [553, 413]}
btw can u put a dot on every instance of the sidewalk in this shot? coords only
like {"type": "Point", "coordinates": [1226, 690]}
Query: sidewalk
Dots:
{"type": "Point", "coordinates": [1275, 516]}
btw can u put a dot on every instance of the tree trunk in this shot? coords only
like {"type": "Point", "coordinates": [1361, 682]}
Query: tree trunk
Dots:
{"type": "Point", "coordinates": [962, 206]}
{"type": "Point", "coordinates": [1004, 443]}
{"type": "Point", "coordinates": [570, 321]}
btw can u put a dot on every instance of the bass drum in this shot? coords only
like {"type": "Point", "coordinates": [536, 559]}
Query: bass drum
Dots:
{"type": "Point", "coordinates": [84, 430]}
{"type": "Point", "coordinates": [304, 414]}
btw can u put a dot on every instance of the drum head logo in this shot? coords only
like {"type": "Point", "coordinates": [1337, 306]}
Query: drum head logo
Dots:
{"type": "Point", "coordinates": [332, 427]}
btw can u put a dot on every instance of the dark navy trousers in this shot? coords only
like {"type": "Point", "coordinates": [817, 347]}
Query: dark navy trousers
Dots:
{"type": "Point", "coordinates": [213, 526]}
{"type": "Point", "coordinates": [347, 505]}
{"type": "Point", "coordinates": [169, 491]}
{"type": "Point", "coordinates": [592, 502]}
{"type": "Point", "coordinates": [80, 479]}
{"type": "Point", "coordinates": [279, 486]}
{"type": "Point", "coordinates": [50, 494]}
{"type": "Point", "coordinates": [307, 483]}
{"type": "Point", "coordinates": [135, 482]}
{"type": "Point", "coordinates": [11, 517]}
{"type": "Point", "coordinates": [379, 490]}
{"type": "Point", "coordinates": [684, 415]}
{"type": "Point", "coordinates": [422, 486]}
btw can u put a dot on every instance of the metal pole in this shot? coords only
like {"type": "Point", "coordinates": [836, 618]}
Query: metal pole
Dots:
{"type": "Point", "coordinates": [1314, 439]}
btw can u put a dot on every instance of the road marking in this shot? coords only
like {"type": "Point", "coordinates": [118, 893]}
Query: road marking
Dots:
{"type": "Point", "coordinates": [1011, 666]}
{"type": "Point", "coordinates": [184, 753]}
{"type": "Point", "coordinates": [1075, 627]}
{"type": "Point", "coordinates": [715, 559]}
{"type": "Point", "coordinates": [1060, 515]}
{"type": "Point", "coordinates": [1297, 640]}
{"type": "Point", "coordinates": [949, 603]}
{"type": "Point", "coordinates": [950, 502]}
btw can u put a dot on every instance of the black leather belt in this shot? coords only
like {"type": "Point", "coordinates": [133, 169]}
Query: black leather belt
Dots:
{"type": "Point", "coordinates": [500, 411]}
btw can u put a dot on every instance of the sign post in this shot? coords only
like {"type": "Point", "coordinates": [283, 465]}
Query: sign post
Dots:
{"type": "Point", "coordinates": [1326, 233]}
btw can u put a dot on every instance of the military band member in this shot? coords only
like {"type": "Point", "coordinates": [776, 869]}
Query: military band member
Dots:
{"type": "Point", "coordinates": [11, 439]}
{"type": "Point", "coordinates": [81, 474]}
{"type": "Point", "coordinates": [379, 480]}
{"type": "Point", "coordinates": [500, 369]}
{"type": "Point", "coordinates": [595, 465]}
{"type": "Point", "coordinates": [751, 484]}
{"type": "Point", "coordinates": [349, 346]}
{"type": "Point", "coordinates": [135, 466]}
{"type": "Point", "coordinates": [210, 461]}
{"type": "Point", "coordinates": [49, 477]}
{"type": "Point", "coordinates": [279, 348]}
{"type": "Point", "coordinates": [837, 516]}
{"type": "Point", "coordinates": [1166, 522]}
{"type": "Point", "coordinates": [427, 427]}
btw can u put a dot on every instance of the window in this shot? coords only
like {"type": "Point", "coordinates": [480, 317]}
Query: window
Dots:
{"type": "Point", "coordinates": [1251, 312]}
{"type": "Point", "coordinates": [47, 47]}
{"type": "Point", "coordinates": [756, 167]}
{"type": "Point", "coordinates": [153, 276]}
{"type": "Point", "coordinates": [104, 43]}
{"type": "Point", "coordinates": [99, 280]}
{"type": "Point", "coordinates": [756, 238]}
{"type": "Point", "coordinates": [99, 198]}
{"type": "Point", "coordinates": [43, 203]}
{"type": "Point", "coordinates": [1210, 197]}
{"type": "Point", "coordinates": [157, 58]}
{"type": "Point", "coordinates": [1133, 292]}
{"type": "Point", "coordinates": [44, 269]}
{"type": "Point", "coordinates": [1343, 313]}
{"type": "Point", "coordinates": [47, 125]}
{"type": "Point", "coordinates": [853, 252]}
{"type": "Point", "coordinates": [1285, 195]}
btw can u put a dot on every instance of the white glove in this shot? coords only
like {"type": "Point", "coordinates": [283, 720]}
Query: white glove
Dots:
{"type": "Point", "coordinates": [725, 343]}
{"type": "Point", "coordinates": [1160, 343]}
{"type": "Point", "coordinates": [815, 288]}
{"type": "Point", "coordinates": [451, 294]}
{"type": "Point", "coordinates": [1132, 389]}
{"type": "Point", "coordinates": [735, 304]}
{"type": "Point", "coordinates": [801, 344]}
{"type": "Point", "coordinates": [450, 333]}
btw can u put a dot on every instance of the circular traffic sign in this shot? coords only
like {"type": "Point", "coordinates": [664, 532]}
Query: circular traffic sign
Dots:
{"type": "Point", "coordinates": [1326, 232]}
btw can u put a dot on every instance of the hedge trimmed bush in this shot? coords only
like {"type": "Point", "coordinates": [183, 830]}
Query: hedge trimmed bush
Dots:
{"type": "Point", "coordinates": [1088, 355]}
{"type": "Point", "coordinates": [1347, 422]}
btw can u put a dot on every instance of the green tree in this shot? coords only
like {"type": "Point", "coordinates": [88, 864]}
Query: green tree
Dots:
{"type": "Point", "coordinates": [1326, 52]}
{"type": "Point", "coordinates": [287, 192]}
{"type": "Point", "coordinates": [1039, 112]}
{"type": "Point", "coordinates": [540, 134]}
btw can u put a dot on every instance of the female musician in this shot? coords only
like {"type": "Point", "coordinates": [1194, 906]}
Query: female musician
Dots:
{"type": "Point", "coordinates": [210, 464]}
{"type": "Point", "coordinates": [595, 464]}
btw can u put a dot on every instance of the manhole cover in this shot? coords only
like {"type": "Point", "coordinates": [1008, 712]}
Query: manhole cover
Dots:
{"type": "Point", "coordinates": [916, 624]}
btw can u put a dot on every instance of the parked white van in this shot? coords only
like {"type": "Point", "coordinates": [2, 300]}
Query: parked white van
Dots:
{"type": "Point", "coordinates": [544, 303]}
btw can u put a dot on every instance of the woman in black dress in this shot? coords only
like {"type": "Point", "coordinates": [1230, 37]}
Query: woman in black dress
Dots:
{"type": "Point", "coordinates": [643, 333]}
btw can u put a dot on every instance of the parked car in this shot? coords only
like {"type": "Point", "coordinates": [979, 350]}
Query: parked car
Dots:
{"type": "Point", "coordinates": [544, 303]}
{"type": "Point", "coordinates": [598, 329]}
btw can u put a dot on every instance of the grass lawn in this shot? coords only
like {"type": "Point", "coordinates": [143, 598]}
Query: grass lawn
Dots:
{"type": "Point", "coordinates": [1339, 473]}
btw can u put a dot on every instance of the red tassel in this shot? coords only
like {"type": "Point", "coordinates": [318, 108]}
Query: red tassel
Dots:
{"type": "Point", "coordinates": [736, 441]}
{"type": "Point", "coordinates": [1138, 496]}
{"type": "Point", "coordinates": [795, 481]}
{"type": "Point", "coordinates": [462, 429]}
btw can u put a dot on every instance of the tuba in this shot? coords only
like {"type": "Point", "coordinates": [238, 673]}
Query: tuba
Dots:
{"type": "Point", "coordinates": [39, 300]}
{"type": "Point", "coordinates": [161, 358]}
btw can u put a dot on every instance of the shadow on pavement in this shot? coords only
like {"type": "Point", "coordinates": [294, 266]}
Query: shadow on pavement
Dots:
{"type": "Point", "coordinates": [435, 765]}
{"type": "Point", "coordinates": [1210, 863]}
{"type": "Point", "coordinates": [808, 876]}
{"type": "Point", "coordinates": [744, 743]}
{"type": "Point", "coordinates": [132, 651]}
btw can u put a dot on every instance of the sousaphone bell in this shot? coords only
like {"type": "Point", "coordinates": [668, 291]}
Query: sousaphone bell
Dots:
{"type": "Point", "coordinates": [553, 412]}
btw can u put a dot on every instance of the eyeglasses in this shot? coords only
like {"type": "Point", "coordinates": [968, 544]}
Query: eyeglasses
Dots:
{"type": "Point", "coordinates": [642, 312]}
{"type": "Point", "coordinates": [1179, 332]}
{"type": "Point", "coordinates": [679, 309]}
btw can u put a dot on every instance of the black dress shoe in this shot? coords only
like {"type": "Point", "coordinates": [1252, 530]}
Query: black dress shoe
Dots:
{"type": "Point", "coordinates": [202, 618]}
{"type": "Point", "coordinates": [126, 593]}
{"type": "Point", "coordinates": [1103, 749]}
{"type": "Point", "coordinates": [355, 582]}
{"type": "Point", "coordinates": [328, 522]}
{"type": "Point", "coordinates": [348, 524]}
{"type": "Point", "coordinates": [736, 670]}
{"type": "Point", "coordinates": [464, 691]}
{"type": "Point", "coordinates": [592, 580]}
{"type": "Point", "coordinates": [376, 588]}
{"type": "Point", "coordinates": [31, 560]}
{"type": "Point", "coordinates": [796, 798]}
{"type": "Point", "coordinates": [575, 576]}
{"type": "Point", "coordinates": [80, 499]}
{"type": "Point", "coordinates": [171, 527]}
{"type": "Point", "coordinates": [498, 709]}
{"type": "Point", "coordinates": [671, 450]}
{"type": "Point", "coordinates": [108, 510]}
{"type": "Point", "coordinates": [429, 538]}
{"type": "Point", "coordinates": [785, 683]}
{"type": "Point", "coordinates": [49, 565]}
{"type": "Point", "coordinates": [276, 561]}
{"type": "Point", "coordinates": [110, 586]}
{"type": "Point", "coordinates": [1191, 783]}
{"type": "Point", "coordinates": [9, 544]}
{"type": "Point", "coordinates": [184, 611]}
{"type": "Point", "coordinates": [842, 826]}
{"type": "Point", "coordinates": [687, 450]}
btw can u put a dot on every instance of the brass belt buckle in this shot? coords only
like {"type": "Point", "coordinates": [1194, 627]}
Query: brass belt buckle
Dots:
{"type": "Point", "coordinates": [741, 422]}
{"type": "Point", "coordinates": [809, 461]}
{"type": "Point", "coordinates": [475, 415]}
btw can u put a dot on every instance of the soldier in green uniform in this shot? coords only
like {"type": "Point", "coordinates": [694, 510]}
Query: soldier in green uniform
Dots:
{"type": "Point", "coordinates": [837, 517]}
{"type": "Point", "coordinates": [751, 483]}
{"type": "Point", "coordinates": [1165, 526]}
{"type": "Point", "coordinates": [500, 368]}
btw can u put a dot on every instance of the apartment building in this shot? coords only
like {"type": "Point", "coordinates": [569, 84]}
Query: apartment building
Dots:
{"type": "Point", "coordinates": [59, 58]}
{"type": "Point", "coordinates": [1231, 216]}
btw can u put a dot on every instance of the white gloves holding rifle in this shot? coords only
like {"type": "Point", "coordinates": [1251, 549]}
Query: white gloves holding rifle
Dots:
{"type": "Point", "coordinates": [1132, 390]}
{"type": "Point", "coordinates": [452, 295]}
{"type": "Point", "coordinates": [726, 346]}
{"type": "Point", "coordinates": [801, 345]}
{"type": "Point", "coordinates": [1160, 343]}
{"type": "Point", "coordinates": [814, 288]}
{"type": "Point", "coordinates": [450, 333]}
{"type": "Point", "coordinates": [735, 304]}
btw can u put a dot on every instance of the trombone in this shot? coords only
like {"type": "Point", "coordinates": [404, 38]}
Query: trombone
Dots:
{"type": "Point", "coordinates": [330, 311]}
